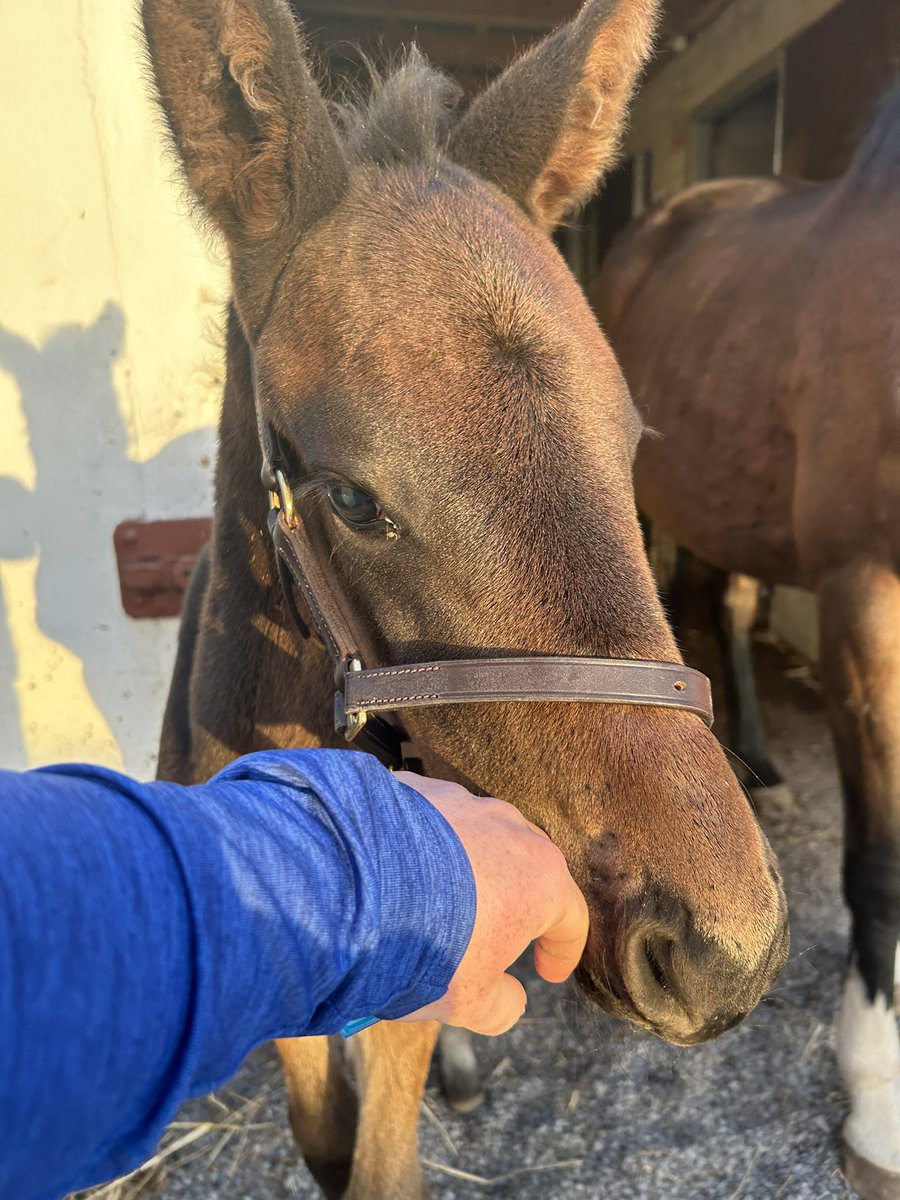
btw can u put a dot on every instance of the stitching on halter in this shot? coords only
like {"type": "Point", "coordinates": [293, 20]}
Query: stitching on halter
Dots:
{"type": "Point", "coordinates": [310, 598]}
{"type": "Point", "coordinates": [401, 670]}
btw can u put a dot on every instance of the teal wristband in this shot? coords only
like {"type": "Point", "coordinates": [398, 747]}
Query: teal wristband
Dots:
{"type": "Point", "coordinates": [357, 1026]}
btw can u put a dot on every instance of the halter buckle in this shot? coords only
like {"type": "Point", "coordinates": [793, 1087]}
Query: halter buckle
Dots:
{"type": "Point", "coordinates": [283, 498]}
{"type": "Point", "coordinates": [351, 723]}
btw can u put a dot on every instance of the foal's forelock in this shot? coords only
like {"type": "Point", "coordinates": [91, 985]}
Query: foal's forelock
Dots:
{"type": "Point", "coordinates": [404, 117]}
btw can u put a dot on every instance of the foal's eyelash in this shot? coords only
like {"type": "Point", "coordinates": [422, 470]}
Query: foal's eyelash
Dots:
{"type": "Point", "coordinates": [314, 486]}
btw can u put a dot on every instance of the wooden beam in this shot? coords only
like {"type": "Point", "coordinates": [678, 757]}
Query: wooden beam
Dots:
{"type": "Point", "coordinates": [732, 48]}
{"type": "Point", "coordinates": [480, 14]}
{"type": "Point", "coordinates": [471, 39]}
{"type": "Point", "coordinates": [455, 49]}
{"type": "Point", "coordinates": [681, 18]}
{"type": "Point", "coordinates": [685, 18]}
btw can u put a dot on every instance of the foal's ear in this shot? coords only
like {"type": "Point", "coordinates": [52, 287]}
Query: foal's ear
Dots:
{"type": "Point", "coordinates": [548, 128]}
{"type": "Point", "coordinates": [250, 125]}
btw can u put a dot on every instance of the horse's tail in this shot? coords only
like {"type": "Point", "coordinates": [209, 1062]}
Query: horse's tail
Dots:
{"type": "Point", "coordinates": [877, 159]}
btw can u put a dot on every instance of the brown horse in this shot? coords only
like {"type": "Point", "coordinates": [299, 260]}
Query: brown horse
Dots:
{"type": "Point", "coordinates": [758, 325]}
{"type": "Point", "coordinates": [427, 359]}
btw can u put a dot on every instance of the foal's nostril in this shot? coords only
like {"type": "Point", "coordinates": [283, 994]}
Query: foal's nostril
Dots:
{"type": "Point", "coordinates": [653, 953]}
{"type": "Point", "coordinates": [658, 977]}
{"type": "Point", "coordinates": [652, 977]}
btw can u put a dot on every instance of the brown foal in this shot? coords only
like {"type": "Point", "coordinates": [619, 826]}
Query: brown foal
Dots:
{"type": "Point", "coordinates": [427, 360]}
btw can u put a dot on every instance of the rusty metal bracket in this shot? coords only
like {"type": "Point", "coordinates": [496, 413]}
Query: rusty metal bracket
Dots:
{"type": "Point", "coordinates": [155, 560]}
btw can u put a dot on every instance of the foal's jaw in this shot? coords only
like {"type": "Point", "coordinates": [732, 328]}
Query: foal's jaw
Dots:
{"type": "Point", "coordinates": [688, 916]}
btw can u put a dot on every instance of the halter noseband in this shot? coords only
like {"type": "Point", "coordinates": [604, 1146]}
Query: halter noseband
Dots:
{"type": "Point", "coordinates": [363, 695]}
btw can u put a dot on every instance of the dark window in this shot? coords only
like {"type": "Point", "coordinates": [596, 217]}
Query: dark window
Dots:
{"type": "Point", "coordinates": [742, 137]}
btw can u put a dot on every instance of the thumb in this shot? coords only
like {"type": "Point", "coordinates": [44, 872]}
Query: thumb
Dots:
{"type": "Point", "coordinates": [560, 946]}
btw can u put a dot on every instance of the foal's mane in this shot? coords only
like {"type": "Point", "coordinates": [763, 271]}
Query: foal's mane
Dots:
{"type": "Point", "coordinates": [404, 116]}
{"type": "Point", "coordinates": [878, 157]}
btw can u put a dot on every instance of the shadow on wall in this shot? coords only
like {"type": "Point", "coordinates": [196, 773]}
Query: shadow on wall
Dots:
{"type": "Point", "coordinates": [14, 745]}
{"type": "Point", "coordinates": [85, 484]}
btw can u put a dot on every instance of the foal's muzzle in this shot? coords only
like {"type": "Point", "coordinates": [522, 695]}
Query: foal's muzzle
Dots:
{"type": "Point", "coordinates": [659, 972]}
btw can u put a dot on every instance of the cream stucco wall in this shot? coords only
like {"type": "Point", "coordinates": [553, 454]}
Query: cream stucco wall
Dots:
{"type": "Point", "coordinates": [110, 365]}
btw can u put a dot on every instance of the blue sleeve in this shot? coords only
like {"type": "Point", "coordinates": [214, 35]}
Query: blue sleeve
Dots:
{"type": "Point", "coordinates": [151, 935]}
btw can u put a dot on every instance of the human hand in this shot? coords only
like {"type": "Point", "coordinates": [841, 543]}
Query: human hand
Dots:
{"type": "Point", "coordinates": [524, 893]}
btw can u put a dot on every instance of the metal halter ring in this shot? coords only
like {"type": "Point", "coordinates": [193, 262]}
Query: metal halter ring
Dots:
{"type": "Point", "coordinates": [283, 498]}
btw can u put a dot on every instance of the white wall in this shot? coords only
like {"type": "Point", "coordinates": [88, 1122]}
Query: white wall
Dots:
{"type": "Point", "coordinates": [110, 365]}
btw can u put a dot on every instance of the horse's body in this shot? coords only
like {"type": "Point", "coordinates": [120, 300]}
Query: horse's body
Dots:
{"type": "Point", "coordinates": [758, 326]}
{"type": "Point", "coordinates": [424, 353]}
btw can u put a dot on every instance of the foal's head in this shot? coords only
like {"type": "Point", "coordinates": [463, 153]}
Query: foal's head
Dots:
{"type": "Point", "coordinates": [438, 375]}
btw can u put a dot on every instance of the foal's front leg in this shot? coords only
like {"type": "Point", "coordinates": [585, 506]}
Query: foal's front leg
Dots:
{"type": "Point", "coordinates": [323, 1109]}
{"type": "Point", "coordinates": [859, 611]}
{"type": "Point", "coordinates": [391, 1062]}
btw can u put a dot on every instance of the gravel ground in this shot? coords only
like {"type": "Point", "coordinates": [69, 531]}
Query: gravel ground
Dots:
{"type": "Point", "coordinates": [582, 1106]}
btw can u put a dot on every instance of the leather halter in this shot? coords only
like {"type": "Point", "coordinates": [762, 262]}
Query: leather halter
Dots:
{"type": "Point", "coordinates": [363, 695]}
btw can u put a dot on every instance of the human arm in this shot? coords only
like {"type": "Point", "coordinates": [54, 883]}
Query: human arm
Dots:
{"type": "Point", "coordinates": [150, 935]}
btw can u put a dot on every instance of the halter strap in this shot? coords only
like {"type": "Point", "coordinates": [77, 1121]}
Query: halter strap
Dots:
{"type": "Point", "coordinates": [541, 678]}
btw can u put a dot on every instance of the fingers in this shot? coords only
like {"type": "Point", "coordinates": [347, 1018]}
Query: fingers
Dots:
{"type": "Point", "coordinates": [495, 1010]}
{"type": "Point", "coordinates": [559, 949]}
{"type": "Point", "coordinates": [499, 1011]}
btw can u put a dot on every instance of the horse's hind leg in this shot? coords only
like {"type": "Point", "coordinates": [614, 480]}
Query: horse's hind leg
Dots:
{"type": "Point", "coordinates": [458, 1067]}
{"type": "Point", "coordinates": [859, 615]}
{"type": "Point", "coordinates": [323, 1109]}
{"type": "Point", "coordinates": [735, 601]}
{"type": "Point", "coordinates": [391, 1062]}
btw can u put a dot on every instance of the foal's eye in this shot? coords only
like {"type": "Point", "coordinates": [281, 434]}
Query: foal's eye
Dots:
{"type": "Point", "coordinates": [352, 504]}
{"type": "Point", "coordinates": [358, 509]}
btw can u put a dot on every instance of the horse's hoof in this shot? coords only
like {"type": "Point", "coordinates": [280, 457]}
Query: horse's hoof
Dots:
{"type": "Point", "coordinates": [458, 1070]}
{"type": "Point", "coordinates": [773, 804]}
{"type": "Point", "coordinates": [868, 1180]}
{"type": "Point", "coordinates": [461, 1089]}
{"type": "Point", "coordinates": [468, 1104]}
